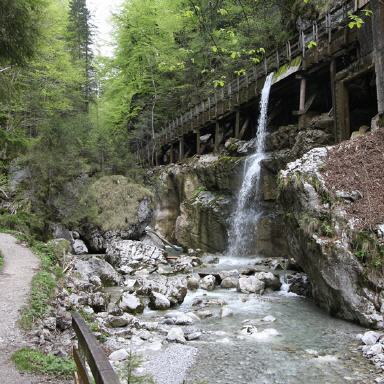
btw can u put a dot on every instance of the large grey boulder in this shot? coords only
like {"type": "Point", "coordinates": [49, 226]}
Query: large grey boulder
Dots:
{"type": "Point", "coordinates": [208, 283]}
{"type": "Point", "coordinates": [79, 247]}
{"type": "Point", "coordinates": [130, 303]}
{"type": "Point", "coordinates": [159, 301]}
{"type": "Point", "coordinates": [95, 266]}
{"type": "Point", "coordinates": [176, 334]}
{"type": "Point", "coordinates": [134, 254]}
{"type": "Point", "coordinates": [250, 284]}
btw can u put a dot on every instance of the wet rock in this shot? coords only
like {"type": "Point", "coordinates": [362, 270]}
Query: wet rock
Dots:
{"type": "Point", "coordinates": [269, 319]}
{"type": "Point", "coordinates": [204, 314]}
{"type": "Point", "coordinates": [299, 284]}
{"type": "Point", "coordinates": [179, 318]}
{"type": "Point", "coordinates": [158, 301]}
{"type": "Point", "coordinates": [193, 336]}
{"type": "Point", "coordinates": [226, 312]}
{"type": "Point", "coordinates": [250, 284]}
{"type": "Point", "coordinates": [119, 355]}
{"type": "Point", "coordinates": [193, 282]}
{"type": "Point", "coordinates": [117, 321]}
{"type": "Point", "coordinates": [176, 334]}
{"type": "Point", "coordinates": [370, 337]}
{"type": "Point", "coordinates": [269, 279]}
{"type": "Point", "coordinates": [130, 303]}
{"type": "Point", "coordinates": [79, 247]}
{"type": "Point", "coordinates": [208, 283]}
{"type": "Point", "coordinates": [229, 282]}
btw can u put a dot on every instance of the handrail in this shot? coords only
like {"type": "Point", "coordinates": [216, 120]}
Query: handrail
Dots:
{"type": "Point", "coordinates": [294, 48]}
{"type": "Point", "coordinates": [90, 352]}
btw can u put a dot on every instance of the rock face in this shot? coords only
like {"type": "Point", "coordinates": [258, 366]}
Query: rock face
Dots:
{"type": "Point", "coordinates": [322, 242]}
{"type": "Point", "coordinates": [195, 201]}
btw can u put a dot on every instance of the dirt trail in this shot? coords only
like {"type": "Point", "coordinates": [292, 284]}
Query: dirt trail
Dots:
{"type": "Point", "coordinates": [20, 264]}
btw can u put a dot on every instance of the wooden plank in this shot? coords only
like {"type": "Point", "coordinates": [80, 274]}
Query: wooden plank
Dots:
{"type": "Point", "coordinates": [100, 366]}
{"type": "Point", "coordinates": [82, 373]}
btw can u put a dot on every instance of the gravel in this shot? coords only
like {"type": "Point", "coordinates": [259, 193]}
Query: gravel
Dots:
{"type": "Point", "coordinates": [170, 365]}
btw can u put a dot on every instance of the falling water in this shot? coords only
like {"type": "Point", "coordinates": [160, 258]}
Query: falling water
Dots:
{"type": "Point", "coordinates": [248, 212]}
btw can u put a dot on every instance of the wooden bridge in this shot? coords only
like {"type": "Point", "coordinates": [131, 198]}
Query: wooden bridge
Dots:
{"type": "Point", "coordinates": [220, 115]}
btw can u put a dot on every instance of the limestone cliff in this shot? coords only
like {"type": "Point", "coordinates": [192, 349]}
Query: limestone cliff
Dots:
{"type": "Point", "coordinates": [338, 244]}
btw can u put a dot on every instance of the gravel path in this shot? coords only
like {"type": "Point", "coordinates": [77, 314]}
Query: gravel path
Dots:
{"type": "Point", "coordinates": [15, 279]}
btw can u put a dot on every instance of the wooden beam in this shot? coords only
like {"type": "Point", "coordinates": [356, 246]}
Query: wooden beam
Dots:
{"type": "Point", "coordinates": [237, 125]}
{"type": "Point", "coordinates": [217, 136]}
{"type": "Point", "coordinates": [181, 148]}
{"type": "Point", "coordinates": [198, 145]}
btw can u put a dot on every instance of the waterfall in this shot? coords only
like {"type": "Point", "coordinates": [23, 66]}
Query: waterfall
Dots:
{"type": "Point", "coordinates": [248, 212]}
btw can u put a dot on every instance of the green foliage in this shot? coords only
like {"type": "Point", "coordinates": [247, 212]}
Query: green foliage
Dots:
{"type": "Point", "coordinates": [368, 249]}
{"type": "Point", "coordinates": [44, 282]}
{"type": "Point", "coordinates": [128, 374]}
{"type": "Point", "coordinates": [1, 260]}
{"type": "Point", "coordinates": [19, 32]}
{"type": "Point", "coordinates": [34, 361]}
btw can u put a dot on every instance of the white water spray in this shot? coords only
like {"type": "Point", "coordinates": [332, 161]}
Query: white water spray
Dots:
{"type": "Point", "coordinates": [248, 212]}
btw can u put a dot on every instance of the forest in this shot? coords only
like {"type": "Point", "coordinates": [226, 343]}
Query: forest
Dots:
{"type": "Point", "coordinates": [68, 113]}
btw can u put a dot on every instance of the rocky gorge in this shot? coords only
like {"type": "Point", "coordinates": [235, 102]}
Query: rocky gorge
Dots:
{"type": "Point", "coordinates": [172, 310]}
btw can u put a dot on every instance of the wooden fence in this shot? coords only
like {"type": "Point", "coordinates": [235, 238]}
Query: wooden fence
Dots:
{"type": "Point", "coordinates": [90, 354]}
{"type": "Point", "coordinates": [244, 88]}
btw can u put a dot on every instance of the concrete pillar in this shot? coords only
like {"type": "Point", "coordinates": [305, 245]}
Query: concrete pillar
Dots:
{"type": "Point", "coordinates": [198, 146]}
{"type": "Point", "coordinates": [181, 148]}
{"type": "Point", "coordinates": [237, 125]}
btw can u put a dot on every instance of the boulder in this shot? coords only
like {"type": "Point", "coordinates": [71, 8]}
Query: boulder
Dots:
{"type": "Point", "coordinates": [176, 334]}
{"type": "Point", "coordinates": [130, 303]}
{"type": "Point", "coordinates": [229, 282]}
{"type": "Point", "coordinates": [208, 283]}
{"type": "Point", "coordinates": [134, 254]}
{"type": "Point", "coordinates": [79, 247]}
{"type": "Point", "coordinates": [119, 355]}
{"type": "Point", "coordinates": [193, 282]}
{"type": "Point", "coordinates": [97, 267]}
{"type": "Point", "coordinates": [158, 301]}
{"type": "Point", "coordinates": [370, 337]}
{"type": "Point", "coordinates": [250, 284]}
{"type": "Point", "coordinates": [269, 279]}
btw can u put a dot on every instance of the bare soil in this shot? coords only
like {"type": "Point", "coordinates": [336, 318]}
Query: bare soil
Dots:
{"type": "Point", "coordinates": [358, 165]}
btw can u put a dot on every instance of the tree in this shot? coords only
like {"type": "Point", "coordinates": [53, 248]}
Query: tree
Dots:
{"type": "Point", "coordinates": [80, 32]}
{"type": "Point", "coordinates": [19, 32]}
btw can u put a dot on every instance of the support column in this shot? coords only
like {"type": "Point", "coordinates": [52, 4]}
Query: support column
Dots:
{"type": "Point", "coordinates": [171, 155]}
{"type": "Point", "coordinates": [332, 71]}
{"type": "Point", "coordinates": [237, 125]}
{"type": "Point", "coordinates": [378, 45]}
{"type": "Point", "coordinates": [303, 92]}
{"type": "Point", "coordinates": [198, 146]}
{"type": "Point", "coordinates": [217, 137]}
{"type": "Point", "coordinates": [342, 109]}
{"type": "Point", "coordinates": [181, 148]}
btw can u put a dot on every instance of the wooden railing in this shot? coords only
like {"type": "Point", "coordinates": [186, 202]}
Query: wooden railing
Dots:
{"type": "Point", "coordinates": [244, 88]}
{"type": "Point", "coordinates": [90, 354]}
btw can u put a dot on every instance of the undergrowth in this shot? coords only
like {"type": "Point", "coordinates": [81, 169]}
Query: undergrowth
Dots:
{"type": "Point", "coordinates": [33, 361]}
{"type": "Point", "coordinates": [368, 249]}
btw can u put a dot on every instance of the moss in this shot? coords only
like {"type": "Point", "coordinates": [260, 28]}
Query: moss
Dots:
{"type": "Point", "coordinates": [34, 361]}
{"type": "Point", "coordinates": [113, 202]}
{"type": "Point", "coordinates": [284, 68]}
{"type": "Point", "coordinates": [1, 260]}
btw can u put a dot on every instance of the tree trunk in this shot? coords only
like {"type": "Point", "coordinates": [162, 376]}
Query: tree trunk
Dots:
{"type": "Point", "coordinates": [378, 44]}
